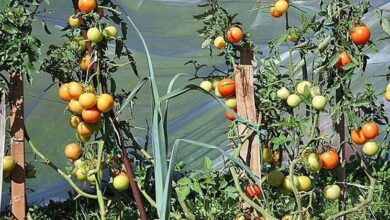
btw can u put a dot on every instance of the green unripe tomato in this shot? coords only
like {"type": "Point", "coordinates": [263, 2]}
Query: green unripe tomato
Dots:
{"type": "Point", "coordinates": [121, 182]}
{"type": "Point", "coordinates": [91, 177]}
{"type": "Point", "coordinates": [275, 178]}
{"type": "Point", "coordinates": [287, 185]}
{"type": "Point", "coordinates": [301, 87]}
{"type": "Point", "coordinates": [283, 93]}
{"type": "Point", "coordinates": [370, 148]}
{"type": "Point", "coordinates": [206, 85]}
{"type": "Point", "coordinates": [80, 173]}
{"type": "Point", "coordinates": [293, 100]}
{"type": "Point", "coordinates": [110, 32]}
{"type": "Point", "coordinates": [318, 102]}
{"type": "Point", "coordinates": [94, 35]}
{"type": "Point", "coordinates": [9, 163]}
{"type": "Point", "coordinates": [313, 162]}
{"type": "Point", "coordinates": [231, 102]}
{"type": "Point", "coordinates": [332, 192]}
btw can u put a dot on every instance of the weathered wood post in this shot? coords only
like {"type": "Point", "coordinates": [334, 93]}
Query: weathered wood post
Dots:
{"type": "Point", "coordinates": [246, 109]}
{"type": "Point", "coordinates": [18, 187]}
{"type": "Point", "coordinates": [3, 129]}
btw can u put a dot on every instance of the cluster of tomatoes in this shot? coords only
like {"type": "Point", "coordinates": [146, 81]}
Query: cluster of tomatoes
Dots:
{"type": "Point", "coordinates": [313, 162]}
{"type": "Point", "coordinates": [318, 101]}
{"type": "Point", "coordinates": [87, 106]}
{"type": "Point", "coordinates": [252, 191]}
{"type": "Point", "coordinates": [234, 35]}
{"type": "Point", "coordinates": [279, 9]}
{"type": "Point", "coordinates": [363, 136]}
{"type": "Point", "coordinates": [226, 89]}
{"type": "Point", "coordinates": [94, 34]}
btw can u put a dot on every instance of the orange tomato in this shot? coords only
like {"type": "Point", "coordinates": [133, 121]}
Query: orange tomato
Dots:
{"type": "Point", "coordinates": [275, 13]}
{"type": "Point", "coordinates": [358, 137]}
{"type": "Point", "coordinates": [85, 62]}
{"type": "Point", "coordinates": [227, 87]}
{"type": "Point", "coordinates": [105, 102]}
{"type": "Point", "coordinates": [91, 115]}
{"type": "Point", "coordinates": [87, 5]}
{"type": "Point", "coordinates": [360, 35]}
{"type": "Point", "coordinates": [330, 159]}
{"type": "Point", "coordinates": [75, 89]}
{"type": "Point", "coordinates": [344, 59]}
{"type": "Point", "coordinates": [235, 35]}
{"type": "Point", "coordinates": [87, 100]}
{"type": "Point", "coordinates": [75, 107]}
{"type": "Point", "coordinates": [63, 92]}
{"type": "Point", "coordinates": [281, 6]}
{"type": "Point", "coordinates": [230, 116]}
{"type": "Point", "coordinates": [370, 130]}
{"type": "Point", "coordinates": [72, 151]}
{"type": "Point", "coordinates": [85, 129]}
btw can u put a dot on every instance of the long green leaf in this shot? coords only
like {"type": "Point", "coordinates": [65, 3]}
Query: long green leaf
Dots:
{"type": "Point", "coordinates": [170, 87]}
{"type": "Point", "coordinates": [158, 137]}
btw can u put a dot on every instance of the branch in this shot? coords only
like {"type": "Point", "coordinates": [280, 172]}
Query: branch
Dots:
{"type": "Point", "coordinates": [295, 190]}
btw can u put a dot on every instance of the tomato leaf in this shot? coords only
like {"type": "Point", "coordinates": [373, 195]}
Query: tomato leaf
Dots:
{"type": "Point", "coordinates": [324, 44]}
{"type": "Point", "coordinates": [281, 39]}
{"type": "Point", "coordinates": [299, 65]}
{"type": "Point", "coordinates": [183, 192]}
{"type": "Point", "coordinates": [386, 26]}
{"type": "Point", "coordinates": [207, 163]}
{"type": "Point", "coordinates": [184, 181]}
{"type": "Point", "coordinates": [333, 60]}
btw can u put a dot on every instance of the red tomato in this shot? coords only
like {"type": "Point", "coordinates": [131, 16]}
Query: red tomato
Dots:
{"type": "Point", "coordinates": [227, 87]}
{"type": "Point", "coordinates": [330, 159]}
{"type": "Point", "coordinates": [235, 35]}
{"type": "Point", "coordinates": [252, 191]}
{"type": "Point", "coordinates": [360, 35]}
{"type": "Point", "coordinates": [230, 116]}
{"type": "Point", "coordinates": [370, 130]}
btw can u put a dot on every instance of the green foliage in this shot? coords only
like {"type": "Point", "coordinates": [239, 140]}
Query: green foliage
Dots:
{"type": "Point", "coordinates": [20, 50]}
{"type": "Point", "coordinates": [208, 193]}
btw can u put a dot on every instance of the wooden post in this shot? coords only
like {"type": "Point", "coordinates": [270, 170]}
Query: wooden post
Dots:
{"type": "Point", "coordinates": [3, 129]}
{"type": "Point", "coordinates": [246, 109]}
{"type": "Point", "coordinates": [18, 188]}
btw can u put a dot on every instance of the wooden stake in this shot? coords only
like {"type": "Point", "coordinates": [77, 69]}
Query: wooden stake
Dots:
{"type": "Point", "coordinates": [246, 109]}
{"type": "Point", "coordinates": [18, 188]}
{"type": "Point", "coordinates": [3, 129]}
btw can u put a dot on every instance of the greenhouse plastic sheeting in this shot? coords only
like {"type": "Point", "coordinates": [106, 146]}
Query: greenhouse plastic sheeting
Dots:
{"type": "Point", "coordinates": [170, 33]}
